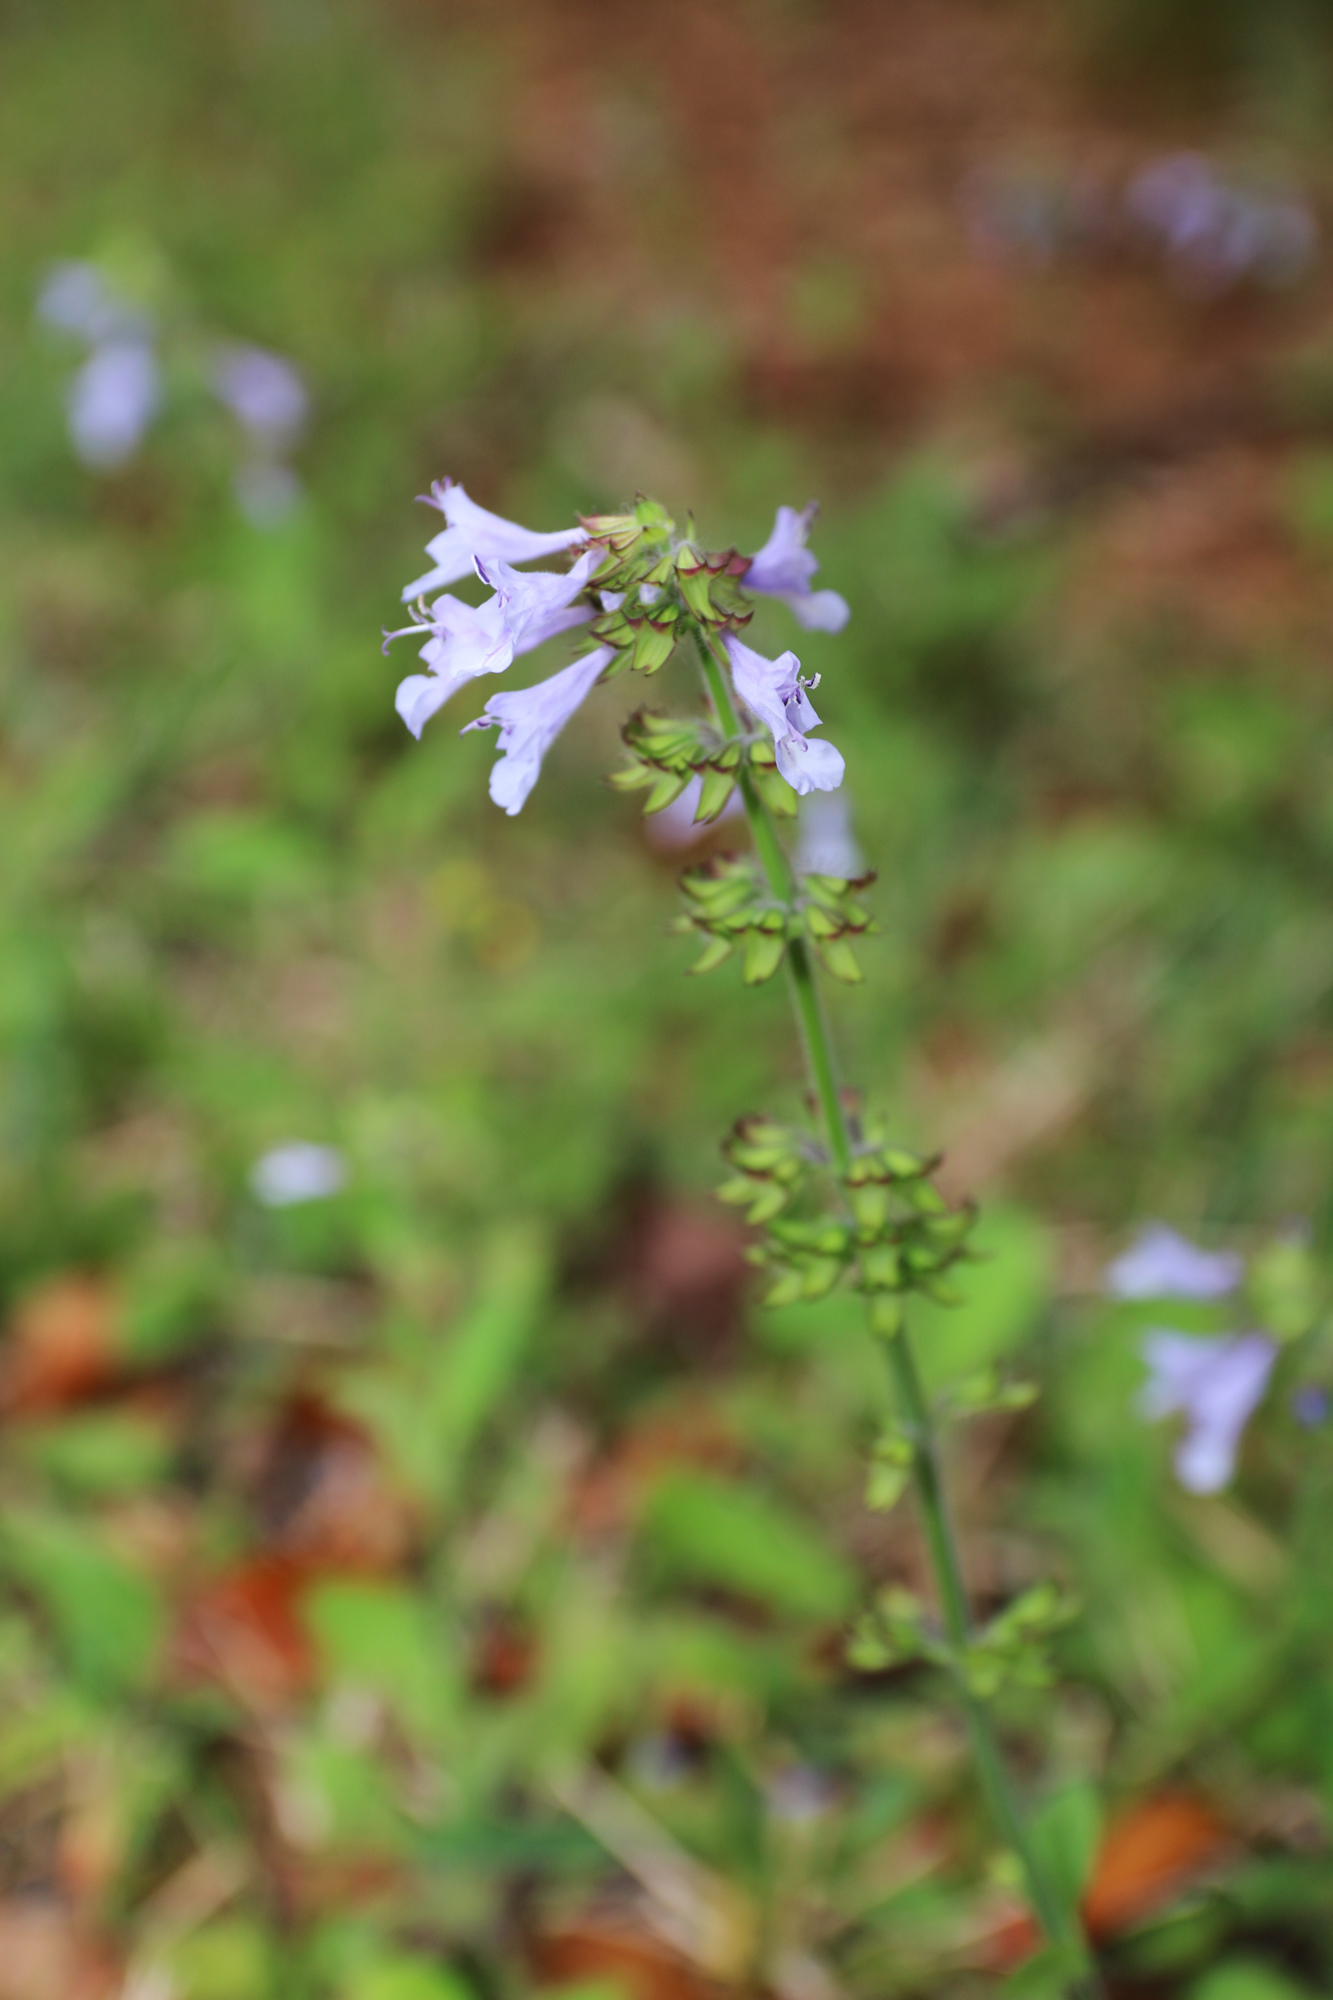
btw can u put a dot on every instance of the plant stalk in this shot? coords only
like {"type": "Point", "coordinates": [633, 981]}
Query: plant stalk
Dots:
{"type": "Point", "coordinates": [1060, 1927]}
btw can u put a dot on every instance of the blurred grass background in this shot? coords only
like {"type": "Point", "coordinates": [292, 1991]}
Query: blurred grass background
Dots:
{"type": "Point", "coordinates": [435, 1591]}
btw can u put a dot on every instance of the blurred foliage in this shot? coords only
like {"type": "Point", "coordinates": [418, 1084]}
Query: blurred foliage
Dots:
{"type": "Point", "coordinates": [441, 1589]}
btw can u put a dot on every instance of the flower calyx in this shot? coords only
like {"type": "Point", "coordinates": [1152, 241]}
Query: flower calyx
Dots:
{"type": "Point", "coordinates": [729, 901]}
{"type": "Point", "coordinates": [891, 1463]}
{"type": "Point", "coordinates": [708, 580]}
{"type": "Point", "coordinates": [771, 1162]}
{"type": "Point", "coordinates": [832, 916]}
{"type": "Point", "coordinates": [666, 751]}
{"type": "Point", "coordinates": [1011, 1650]}
{"type": "Point", "coordinates": [897, 1235]}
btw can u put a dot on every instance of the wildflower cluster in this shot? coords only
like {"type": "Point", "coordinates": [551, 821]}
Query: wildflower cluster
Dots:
{"type": "Point", "coordinates": [132, 361]}
{"type": "Point", "coordinates": [634, 589]}
{"type": "Point", "coordinates": [1215, 1382]}
{"type": "Point", "coordinates": [841, 1204]}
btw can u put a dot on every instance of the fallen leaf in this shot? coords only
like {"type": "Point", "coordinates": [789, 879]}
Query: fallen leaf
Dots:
{"type": "Point", "coordinates": [1147, 1858]}
{"type": "Point", "coordinates": [60, 1345]}
{"type": "Point", "coordinates": [244, 1631]}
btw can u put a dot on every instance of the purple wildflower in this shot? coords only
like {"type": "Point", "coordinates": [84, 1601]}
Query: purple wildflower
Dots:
{"type": "Point", "coordinates": [825, 843]}
{"type": "Point", "coordinates": [1215, 1384]}
{"type": "Point", "coordinates": [774, 690]}
{"type": "Point", "coordinates": [112, 401]}
{"type": "Point", "coordinates": [473, 535]}
{"type": "Point", "coordinates": [466, 641]}
{"type": "Point", "coordinates": [75, 298]}
{"type": "Point", "coordinates": [263, 392]}
{"type": "Point", "coordinates": [529, 720]}
{"type": "Point", "coordinates": [783, 568]}
{"type": "Point", "coordinates": [1310, 1405]}
{"type": "Point", "coordinates": [1159, 1264]}
{"type": "Point", "coordinates": [1215, 234]}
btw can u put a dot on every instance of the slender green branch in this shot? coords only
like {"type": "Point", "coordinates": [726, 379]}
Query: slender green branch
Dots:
{"type": "Point", "coordinates": [1059, 1925]}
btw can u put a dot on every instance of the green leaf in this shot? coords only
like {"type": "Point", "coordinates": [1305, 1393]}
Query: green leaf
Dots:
{"type": "Point", "coordinates": [711, 1531]}
{"type": "Point", "coordinates": [103, 1454]}
{"type": "Point", "coordinates": [107, 1616]}
{"type": "Point", "coordinates": [428, 1418]}
{"type": "Point", "coordinates": [1247, 1979]}
{"type": "Point", "coordinates": [232, 1959]}
{"type": "Point", "coordinates": [1065, 1834]}
{"type": "Point", "coordinates": [405, 1976]}
{"type": "Point", "coordinates": [379, 1636]}
{"type": "Point", "coordinates": [1003, 1296]}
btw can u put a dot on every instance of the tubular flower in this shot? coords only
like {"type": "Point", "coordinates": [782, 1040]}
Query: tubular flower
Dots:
{"type": "Point", "coordinates": [783, 568]}
{"type": "Point", "coordinates": [1216, 1385]}
{"type": "Point", "coordinates": [529, 720]}
{"type": "Point", "coordinates": [466, 641]}
{"type": "Point", "coordinates": [775, 692]}
{"type": "Point", "coordinates": [1159, 1264]}
{"type": "Point", "coordinates": [473, 535]}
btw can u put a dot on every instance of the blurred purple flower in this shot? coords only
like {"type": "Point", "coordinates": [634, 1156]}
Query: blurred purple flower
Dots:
{"type": "Point", "coordinates": [298, 1172]}
{"type": "Point", "coordinates": [75, 298]}
{"type": "Point", "coordinates": [263, 392]}
{"type": "Point", "coordinates": [783, 568]}
{"type": "Point", "coordinates": [775, 692]}
{"type": "Point", "coordinates": [474, 535]}
{"type": "Point", "coordinates": [1215, 1384]}
{"type": "Point", "coordinates": [529, 721]}
{"type": "Point", "coordinates": [1216, 234]}
{"type": "Point", "coordinates": [112, 400]}
{"type": "Point", "coordinates": [825, 843]}
{"type": "Point", "coordinates": [1310, 1405]}
{"type": "Point", "coordinates": [466, 641]}
{"type": "Point", "coordinates": [1159, 1264]}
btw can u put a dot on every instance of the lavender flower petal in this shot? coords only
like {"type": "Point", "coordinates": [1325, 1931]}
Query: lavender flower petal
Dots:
{"type": "Point", "coordinates": [1159, 1264]}
{"type": "Point", "coordinates": [472, 534]}
{"type": "Point", "coordinates": [263, 392]}
{"type": "Point", "coordinates": [529, 720]}
{"type": "Point", "coordinates": [112, 400]}
{"type": "Point", "coordinates": [783, 569]}
{"type": "Point", "coordinates": [775, 692]}
{"type": "Point", "coordinates": [1216, 1385]}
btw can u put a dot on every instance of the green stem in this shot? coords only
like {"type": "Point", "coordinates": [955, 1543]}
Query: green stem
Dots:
{"type": "Point", "coordinates": [1055, 1920]}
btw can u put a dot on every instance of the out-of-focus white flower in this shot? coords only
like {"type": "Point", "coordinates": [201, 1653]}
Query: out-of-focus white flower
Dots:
{"type": "Point", "coordinates": [263, 392]}
{"type": "Point", "coordinates": [784, 567]}
{"type": "Point", "coordinates": [529, 721]}
{"type": "Point", "coordinates": [801, 1794]}
{"type": "Point", "coordinates": [775, 692]}
{"type": "Point", "coordinates": [299, 1171]}
{"type": "Point", "coordinates": [473, 536]}
{"type": "Point", "coordinates": [1216, 1385]}
{"type": "Point", "coordinates": [825, 843]}
{"type": "Point", "coordinates": [1159, 1264]}
{"type": "Point", "coordinates": [112, 401]}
